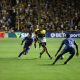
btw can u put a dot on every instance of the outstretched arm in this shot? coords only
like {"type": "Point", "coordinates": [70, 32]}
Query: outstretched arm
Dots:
{"type": "Point", "coordinates": [59, 48]}
{"type": "Point", "coordinates": [23, 41]}
{"type": "Point", "coordinates": [35, 41]}
{"type": "Point", "coordinates": [76, 49]}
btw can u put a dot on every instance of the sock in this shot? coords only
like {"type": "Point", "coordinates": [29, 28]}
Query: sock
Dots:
{"type": "Point", "coordinates": [40, 55]}
{"type": "Point", "coordinates": [20, 54]}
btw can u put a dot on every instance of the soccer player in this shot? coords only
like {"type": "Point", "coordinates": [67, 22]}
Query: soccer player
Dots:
{"type": "Point", "coordinates": [41, 37]}
{"type": "Point", "coordinates": [28, 42]}
{"type": "Point", "coordinates": [69, 42]}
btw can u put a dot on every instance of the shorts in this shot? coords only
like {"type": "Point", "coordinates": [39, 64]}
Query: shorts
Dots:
{"type": "Point", "coordinates": [43, 43]}
{"type": "Point", "coordinates": [26, 48]}
{"type": "Point", "coordinates": [69, 49]}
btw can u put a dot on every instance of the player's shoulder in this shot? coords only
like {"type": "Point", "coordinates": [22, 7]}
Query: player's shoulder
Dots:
{"type": "Point", "coordinates": [65, 40]}
{"type": "Point", "coordinates": [26, 37]}
{"type": "Point", "coordinates": [43, 31]}
{"type": "Point", "coordinates": [36, 30]}
{"type": "Point", "coordinates": [71, 39]}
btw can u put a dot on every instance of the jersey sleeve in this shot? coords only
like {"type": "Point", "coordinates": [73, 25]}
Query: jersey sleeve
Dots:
{"type": "Point", "coordinates": [25, 38]}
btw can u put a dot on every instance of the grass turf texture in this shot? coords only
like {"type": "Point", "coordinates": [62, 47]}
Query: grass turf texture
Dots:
{"type": "Point", "coordinates": [30, 67]}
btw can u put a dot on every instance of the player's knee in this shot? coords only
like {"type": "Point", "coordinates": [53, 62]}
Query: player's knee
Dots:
{"type": "Point", "coordinates": [46, 49]}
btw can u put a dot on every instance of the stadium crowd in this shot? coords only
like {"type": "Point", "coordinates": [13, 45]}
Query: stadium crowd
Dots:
{"type": "Point", "coordinates": [55, 15]}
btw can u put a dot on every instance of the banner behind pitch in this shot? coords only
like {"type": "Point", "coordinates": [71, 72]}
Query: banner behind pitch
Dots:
{"type": "Point", "coordinates": [48, 34]}
{"type": "Point", "coordinates": [62, 35]}
{"type": "Point", "coordinates": [2, 34]}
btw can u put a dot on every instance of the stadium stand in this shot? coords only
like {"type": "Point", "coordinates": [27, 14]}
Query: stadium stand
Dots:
{"type": "Point", "coordinates": [55, 15]}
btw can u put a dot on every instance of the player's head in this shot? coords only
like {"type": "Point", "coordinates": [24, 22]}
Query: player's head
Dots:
{"type": "Point", "coordinates": [67, 35]}
{"type": "Point", "coordinates": [41, 26]}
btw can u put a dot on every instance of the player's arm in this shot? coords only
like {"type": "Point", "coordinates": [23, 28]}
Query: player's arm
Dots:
{"type": "Point", "coordinates": [76, 48]}
{"type": "Point", "coordinates": [23, 41]}
{"type": "Point", "coordinates": [60, 48]}
{"type": "Point", "coordinates": [35, 40]}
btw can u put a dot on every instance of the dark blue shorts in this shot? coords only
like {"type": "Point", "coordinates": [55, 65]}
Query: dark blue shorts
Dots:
{"type": "Point", "coordinates": [69, 49]}
{"type": "Point", "coordinates": [27, 48]}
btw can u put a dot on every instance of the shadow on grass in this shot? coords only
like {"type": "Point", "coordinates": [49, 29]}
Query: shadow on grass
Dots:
{"type": "Point", "coordinates": [50, 64]}
{"type": "Point", "coordinates": [8, 58]}
{"type": "Point", "coordinates": [28, 59]}
{"type": "Point", "coordinates": [15, 58]}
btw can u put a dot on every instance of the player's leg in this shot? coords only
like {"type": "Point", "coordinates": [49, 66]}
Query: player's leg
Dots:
{"type": "Point", "coordinates": [46, 50]}
{"type": "Point", "coordinates": [39, 45]}
{"type": "Point", "coordinates": [59, 56]}
{"type": "Point", "coordinates": [70, 57]}
{"type": "Point", "coordinates": [72, 53]}
{"type": "Point", "coordinates": [35, 41]}
{"type": "Point", "coordinates": [27, 50]}
{"type": "Point", "coordinates": [24, 49]}
{"type": "Point", "coordinates": [42, 52]}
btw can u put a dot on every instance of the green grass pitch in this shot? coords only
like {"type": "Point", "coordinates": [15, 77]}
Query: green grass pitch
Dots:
{"type": "Point", "coordinates": [30, 67]}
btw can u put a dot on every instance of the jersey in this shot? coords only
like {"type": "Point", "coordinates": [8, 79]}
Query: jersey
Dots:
{"type": "Point", "coordinates": [41, 34]}
{"type": "Point", "coordinates": [69, 42]}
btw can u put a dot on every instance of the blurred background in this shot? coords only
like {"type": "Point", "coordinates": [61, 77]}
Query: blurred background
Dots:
{"type": "Point", "coordinates": [55, 15]}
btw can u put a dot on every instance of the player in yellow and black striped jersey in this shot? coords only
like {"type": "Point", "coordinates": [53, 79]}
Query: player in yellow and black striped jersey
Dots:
{"type": "Point", "coordinates": [40, 37]}
{"type": "Point", "coordinates": [39, 33]}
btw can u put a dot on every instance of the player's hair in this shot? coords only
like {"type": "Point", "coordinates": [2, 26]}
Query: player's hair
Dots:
{"type": "Point", "coordinates": [67, 35]}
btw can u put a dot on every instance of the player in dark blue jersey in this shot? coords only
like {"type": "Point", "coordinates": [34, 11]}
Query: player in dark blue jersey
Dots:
{"type": "Point", "coordinates": [28, 42]}
{"type": "Point", "coordinates": [70, 44]}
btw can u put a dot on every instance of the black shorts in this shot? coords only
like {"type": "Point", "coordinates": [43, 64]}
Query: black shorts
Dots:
{"type": "Point", "coordinates": [43, 43]}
